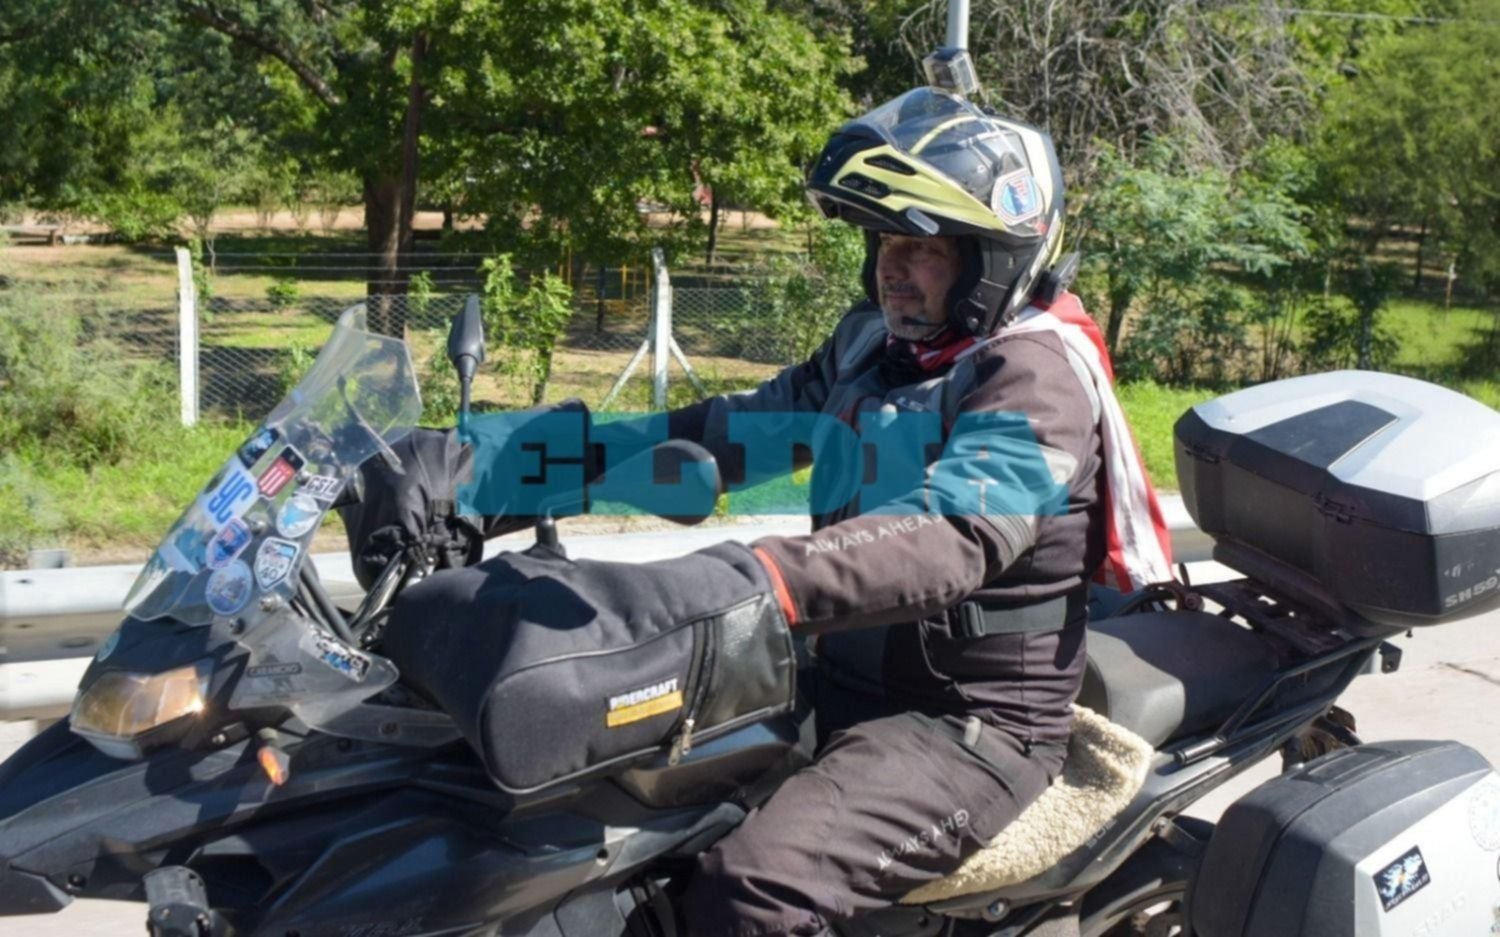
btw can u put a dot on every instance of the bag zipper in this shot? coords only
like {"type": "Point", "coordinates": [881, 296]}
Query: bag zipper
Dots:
{"type": "Point", "coordinates": [682, 744]}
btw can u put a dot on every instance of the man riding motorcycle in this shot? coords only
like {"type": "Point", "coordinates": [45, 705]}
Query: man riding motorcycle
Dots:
{"type": "Point", "coordinates": [949, 643]}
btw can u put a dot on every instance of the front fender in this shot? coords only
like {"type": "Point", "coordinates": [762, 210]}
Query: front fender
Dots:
{"type": "Point", "coordinates": [68, 811]}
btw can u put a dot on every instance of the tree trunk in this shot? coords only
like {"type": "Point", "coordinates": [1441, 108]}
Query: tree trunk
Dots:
{"type": "Point", "coordinates": [599, 290]}
{"type": "Point", "coordinates": [1366, 333]}
{"type": "Point", "coordinates": [1117, 309]}
{"type": "Point", "coordinates": [383, 236]}
{"type": "Point", "coordinates": [713, 223]}
{"type": "Point", "coordinates": [1416, 281]}
{"type": "Point", "coordinates": [390, 208]}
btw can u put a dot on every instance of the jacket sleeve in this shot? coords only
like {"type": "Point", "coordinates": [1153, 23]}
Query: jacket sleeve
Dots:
{"type": "Point", "coordinates": [777, 402]}
{"type": "Point", "coordinates": [1011, 457]}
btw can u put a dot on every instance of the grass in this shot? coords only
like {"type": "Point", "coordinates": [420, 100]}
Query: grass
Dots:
{"type": "Point", "coordinates": [1153, 410]}
{"type": "Point", "coordinates": [1433, 339]}
{"type": "Point", "coordinates": [119, 512]}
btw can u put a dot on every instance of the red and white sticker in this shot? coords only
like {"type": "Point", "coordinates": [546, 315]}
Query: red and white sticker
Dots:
{"type": "Point", "coordinates": [282, 469]}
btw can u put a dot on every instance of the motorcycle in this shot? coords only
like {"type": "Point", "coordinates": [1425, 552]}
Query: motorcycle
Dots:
{"type": "Point", "coordinates": [243, 759]}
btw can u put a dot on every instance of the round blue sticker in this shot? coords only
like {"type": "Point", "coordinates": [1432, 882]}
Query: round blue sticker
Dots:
{"type": "Point", "coordinates": [229, 588]}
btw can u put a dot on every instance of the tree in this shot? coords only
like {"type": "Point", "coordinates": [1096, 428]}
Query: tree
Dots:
{"type": "Point", "coordinates": [1172, 244]}
{"type": "Point", "coordinates": [1122, 73]}
{"type": "Point", "coordinates": [556, 118]}
{"type": "Point", "coordinates": [1414, 139]}
{"type": "Point", "coordinates": [612, 105]}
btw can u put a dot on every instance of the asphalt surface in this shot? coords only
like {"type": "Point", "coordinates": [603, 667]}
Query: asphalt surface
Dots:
{"type": "Point", "coordinates": [1448, 687]}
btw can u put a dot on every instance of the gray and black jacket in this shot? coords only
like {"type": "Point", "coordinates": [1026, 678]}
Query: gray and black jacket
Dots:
{"type": "Point", "coordinates": [982, 614]}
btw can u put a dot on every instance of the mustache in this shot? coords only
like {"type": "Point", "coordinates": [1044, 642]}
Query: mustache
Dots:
{"type": "Point", "coordinates": [900, 288]}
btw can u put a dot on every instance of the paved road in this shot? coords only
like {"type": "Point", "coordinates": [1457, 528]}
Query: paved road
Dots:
{"type": "Point", "coordinates": [1448, 687]}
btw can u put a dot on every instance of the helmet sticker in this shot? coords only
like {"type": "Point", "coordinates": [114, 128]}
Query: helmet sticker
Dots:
{"type": "Point", "coordinates": [1016, 197]}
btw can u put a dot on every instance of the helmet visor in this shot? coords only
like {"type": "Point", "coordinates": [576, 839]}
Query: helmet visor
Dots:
{"type": "Point", "coordinates": [978, 153]}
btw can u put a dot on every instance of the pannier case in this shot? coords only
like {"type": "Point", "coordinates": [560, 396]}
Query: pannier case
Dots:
{"type": "Point", "coordinates": [1381, 839]}
{"type": "Point", "coordinates": [1383, 489]}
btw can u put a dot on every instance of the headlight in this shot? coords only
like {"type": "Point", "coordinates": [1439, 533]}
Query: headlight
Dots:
{"type": "Point", "coordinates": [120, 708]}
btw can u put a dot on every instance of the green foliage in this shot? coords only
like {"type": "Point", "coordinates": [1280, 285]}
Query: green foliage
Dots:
{"type": "Point", "coordinates": [296, 361]}
{"type": "Point", "coordinates": [807, 297]}
{"type": "Point", "coordinates": [331, 192]}
{"type": "Point", "coordinates": [1174, 247]}
{"type": "Point", "coordinates": [203, 276]}
{"type": "Point", "coordinates": [70, 393]}
{"type": "Point", "coordinates": [1414, 138]}
{"type": "Point", "coordinates": [439, 384]}
{"type": "Point", "coordinates": [613, 105]}
{"type": "Point", "coordinates": [46, 499]}
{"type": "Point", "coordinates": [1332, 337]}
{"type": "Point", "coordinates": [134, 213]}
{"type": "Point", "coordinates": [283, 293]}
{"type": "Point", "coordinates": [526, 324]}
{"type": "Point", "coordinates": [419, 290]}
{"type": "Point", "coordinates": [30, 515]}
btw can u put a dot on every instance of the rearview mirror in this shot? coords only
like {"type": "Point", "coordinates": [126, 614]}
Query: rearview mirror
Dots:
{"type": "Point", "coordinates": [466, 351]}
{"type": "Point", "coordinates": [466, 339]}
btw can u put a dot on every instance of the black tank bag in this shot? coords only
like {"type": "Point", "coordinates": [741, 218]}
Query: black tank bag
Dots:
{"type": "Point", "coordinates": [550, 684]}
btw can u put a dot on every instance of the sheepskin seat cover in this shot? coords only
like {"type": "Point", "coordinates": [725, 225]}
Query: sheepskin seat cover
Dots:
{"type": "Point", "coordinates": [1106, 766]}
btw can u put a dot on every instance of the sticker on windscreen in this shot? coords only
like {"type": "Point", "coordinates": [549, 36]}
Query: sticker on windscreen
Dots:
{"type": "Point", "coordinates": [231, 498]}
{"type": "Point", "coordinates": [184, 552]}
{"type": "Point", "coordinates": [258, 445]}
{"type": "Point", "coordinates": [274, 561]}
{"type": "Point", "coordinates": [229, 588]}
{"type": "Point", "coordinates": [297, 516]}
{"type": "Point", "coordinates": [322, 487]}
{"type": "Point", "coordinates": [228, 543]}
{"type": "Point", "coordinates": [283, 468]}
{"type": "Point", "coordinates": [342, 658]}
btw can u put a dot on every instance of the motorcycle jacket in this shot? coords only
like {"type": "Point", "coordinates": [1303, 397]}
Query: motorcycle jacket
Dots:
{"type": "Point", "coordinates": [981, 613]}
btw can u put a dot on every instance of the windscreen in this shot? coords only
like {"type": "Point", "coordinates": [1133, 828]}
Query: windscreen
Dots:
{"type": "Point", "coordinates": [246, 535]}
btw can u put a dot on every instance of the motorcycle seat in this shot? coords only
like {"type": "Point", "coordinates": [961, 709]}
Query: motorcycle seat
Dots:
{"type": "Point", "coordinates": [1151, 678]}
{"type": "Point", "coordinates": [1169, 675]}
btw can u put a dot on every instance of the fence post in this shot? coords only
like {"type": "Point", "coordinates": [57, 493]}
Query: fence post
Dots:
{"type": "Point", "coordinates": [187, 337]}
{"type": "Point", "coordinates": [661, 329]}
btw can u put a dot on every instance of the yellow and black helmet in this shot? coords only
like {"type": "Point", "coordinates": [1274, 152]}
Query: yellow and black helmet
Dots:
{"type": "Point", "coordinates": [931, 163]}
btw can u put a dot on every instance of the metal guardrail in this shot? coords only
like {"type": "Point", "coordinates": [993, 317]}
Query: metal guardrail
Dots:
{"type": "Point", "coordinates": [52, 621]}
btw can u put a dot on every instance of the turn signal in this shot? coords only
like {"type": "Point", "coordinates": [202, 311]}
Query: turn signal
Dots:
{"type": "Point", "coordinates": [273, 761]}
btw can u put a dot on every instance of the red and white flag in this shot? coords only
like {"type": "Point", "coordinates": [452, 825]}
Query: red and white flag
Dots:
{"type": "Point", "coordinates": [1140, 544]}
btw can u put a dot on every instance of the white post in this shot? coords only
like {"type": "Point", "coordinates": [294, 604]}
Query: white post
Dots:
{"type": "Point", "coordinates": [958, 24]}
{"type": "Point", "coordinates": [187, 337]}
{"type": "Point", "coordinates": [661, 329]}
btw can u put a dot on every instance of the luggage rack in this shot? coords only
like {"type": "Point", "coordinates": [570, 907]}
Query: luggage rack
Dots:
{"type": "Point", "coordinates": [1298, 614]}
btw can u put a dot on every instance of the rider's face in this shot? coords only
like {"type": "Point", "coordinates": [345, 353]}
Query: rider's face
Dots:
{"type": "Point", "coordinates": [913, 275]}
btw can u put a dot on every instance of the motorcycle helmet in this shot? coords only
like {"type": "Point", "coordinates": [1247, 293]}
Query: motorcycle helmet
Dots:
{"type": "Point", "coordinates": [931, 163]}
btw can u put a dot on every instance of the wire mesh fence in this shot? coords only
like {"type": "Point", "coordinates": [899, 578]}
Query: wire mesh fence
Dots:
{"type": "Point", "coordinates": [269, 314]}
{"type": "Point", "coordinates": [133, 324]}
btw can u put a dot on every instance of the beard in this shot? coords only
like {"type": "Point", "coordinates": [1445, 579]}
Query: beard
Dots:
{"type": "Point", "coordinates": [900, 324]}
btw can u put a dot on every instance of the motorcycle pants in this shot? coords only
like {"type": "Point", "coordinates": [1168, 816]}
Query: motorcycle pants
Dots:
{"type": "Point", "coordinates": [890, 803]}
